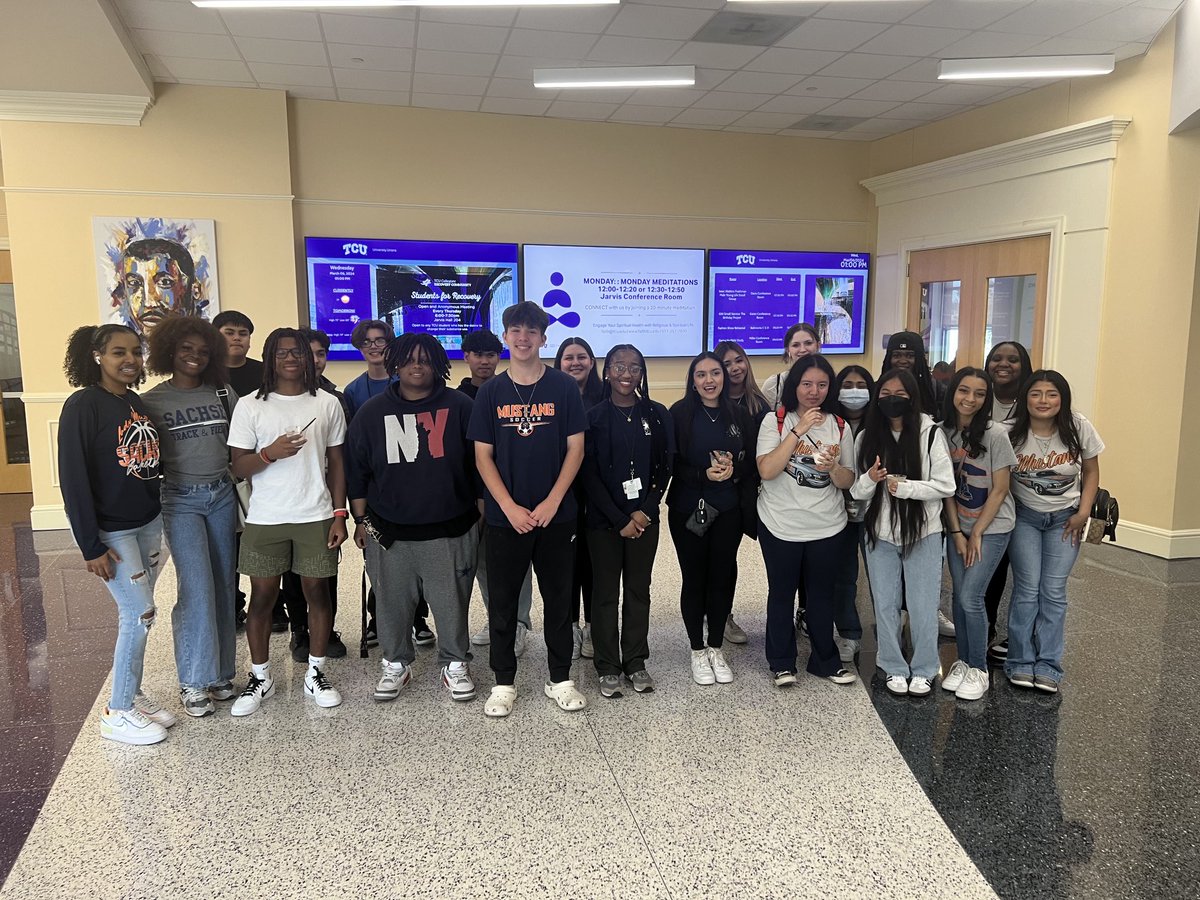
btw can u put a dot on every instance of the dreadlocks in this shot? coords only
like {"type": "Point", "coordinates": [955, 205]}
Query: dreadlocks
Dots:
{"type": "Point", "coordinates": [270, 361]}
{"type": "Point", "coordinates": [408, 347]}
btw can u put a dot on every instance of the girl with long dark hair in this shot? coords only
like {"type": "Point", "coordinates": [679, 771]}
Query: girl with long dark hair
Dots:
{"type": "Point", "coordinates": [192, 409]}
{"type": "Point", "coordinates": [980, 519]}
{"type": "Point", "coordinates": [630, 446]}
{"type": "Point", "coordinates": [108, 466]}
{"type": "Point", "coordinates": [800, 340]}
{"type": "Point", "coordinates": [1054, 482]}
{"type": "Point", "coordinates": [906, 473]}
{"type": "Point", "coordinates": [805, 459]}
{"type": "Point", "coordinates": [714, 475]}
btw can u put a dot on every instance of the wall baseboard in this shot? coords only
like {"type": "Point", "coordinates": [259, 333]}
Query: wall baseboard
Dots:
{"type": "Point", "coordinates": [48, 518]}
{"type": "Point", "coordinates": [1160, 542]}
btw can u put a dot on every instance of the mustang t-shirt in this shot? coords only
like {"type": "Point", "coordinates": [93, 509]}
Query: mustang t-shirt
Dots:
{"type": "Point", "coordinates": [1045, 478]}
{"type": "Point", "coordinates": [802, 503]}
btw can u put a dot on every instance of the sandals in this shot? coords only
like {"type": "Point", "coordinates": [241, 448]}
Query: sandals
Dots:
{"type": "Point", "coordinates": [565, 695]}
{"type": "Point", "coordinates": [500, 701]}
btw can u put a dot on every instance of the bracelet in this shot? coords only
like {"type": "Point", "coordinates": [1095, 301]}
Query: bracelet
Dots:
{"type": "Point", "coordinates": [798, 437]}
{"type": "Point", "coordinates": [957, 532]}
{"type": "Point", "coordinates": [360, 520]}
{"type": "Point", "coordinates": [262, 454]}
{"type": "Point", "coordinates": [340, 514]}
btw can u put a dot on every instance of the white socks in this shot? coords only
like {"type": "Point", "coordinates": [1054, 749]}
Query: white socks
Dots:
{"type": "Point", "coordinates": [262, 671]}
{"type": "Point", "coordinates": [316, 662]}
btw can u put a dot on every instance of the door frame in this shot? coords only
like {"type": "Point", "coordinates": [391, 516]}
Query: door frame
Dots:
{"type": "Point", "coordinates": [12, 481]}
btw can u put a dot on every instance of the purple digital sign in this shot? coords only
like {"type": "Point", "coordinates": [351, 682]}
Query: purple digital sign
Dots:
{"type": "Point", "coordinates": [756, 295]}
{"type": "Point", "coordinates": [446, 289]}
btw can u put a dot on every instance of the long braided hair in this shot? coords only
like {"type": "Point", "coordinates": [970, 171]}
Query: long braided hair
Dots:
{"type": "Point", "coordinates": [311, 382]}
{"type": "Point", "coordinates": [411, 346]}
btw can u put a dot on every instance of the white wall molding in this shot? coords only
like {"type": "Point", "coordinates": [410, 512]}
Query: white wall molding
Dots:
{"type": "Point", "coordinates": [85, 109]}
{"type": "Point", "coordinates": [121, 192]}
{"type": "Point", "coordinates": [1184, 544]}
{"type": "Point", "coordinates": [58, 397]}
{"type": "Point", "coordinates": [51, 517]}
{"type": "Point", "coordinates": [1063, 148]}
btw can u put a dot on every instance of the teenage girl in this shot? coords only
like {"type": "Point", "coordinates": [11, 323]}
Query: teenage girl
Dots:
{"type": "Point", "coordinates": [801, 340]}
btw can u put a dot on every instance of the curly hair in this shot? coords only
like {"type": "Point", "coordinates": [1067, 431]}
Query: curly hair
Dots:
{"type": "Point", "coordinates": [411, 346]}
{"type": "Point", "coordinates": [168, 334]}
{"type": "Point", "coordinates": [80, 364]}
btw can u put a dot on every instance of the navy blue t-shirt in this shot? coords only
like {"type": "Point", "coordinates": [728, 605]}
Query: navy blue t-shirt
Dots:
{"type": "Point", "coordinates": [528, 426]}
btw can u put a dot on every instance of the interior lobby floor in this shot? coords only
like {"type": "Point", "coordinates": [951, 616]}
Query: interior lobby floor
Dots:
{"type": "Point", "coordinates": [741, 790]}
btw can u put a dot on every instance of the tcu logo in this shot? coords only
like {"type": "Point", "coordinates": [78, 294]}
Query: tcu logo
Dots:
{"type": "Point", "coordinates": [745, 259]}
{"type": "Point", "coordinates": [360, 249]}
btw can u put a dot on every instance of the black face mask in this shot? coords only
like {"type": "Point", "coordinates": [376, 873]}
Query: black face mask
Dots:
{"type": "Point", "coordinates": [895, 407]}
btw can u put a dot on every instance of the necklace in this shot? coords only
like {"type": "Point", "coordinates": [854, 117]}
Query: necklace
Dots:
{"type": "Point", "coordinates": [628, 418]}
{"type": "Point", "coordinates": [1043, 444]}
{"type": "Point", "coordinates": [525, 426]}
{"type": "Point", "coordinates": [1007, 412]}
{"type": "Point", "coordinates": [712, 419]}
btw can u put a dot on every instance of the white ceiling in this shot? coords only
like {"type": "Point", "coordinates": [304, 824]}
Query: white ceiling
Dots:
{"type": "Point", "coordinates": [874, 62]}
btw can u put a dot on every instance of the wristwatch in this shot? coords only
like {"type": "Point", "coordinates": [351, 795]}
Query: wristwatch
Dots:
{"type": "Point", "coordinates": [360, 520]}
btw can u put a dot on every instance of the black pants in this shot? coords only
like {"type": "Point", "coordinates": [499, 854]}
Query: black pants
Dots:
{"type": "Point", "coordinates": [994, 594]}
{"type": "Point", "coordinates": [814, 564]}
{"type": "Point", "coordinates": [552, 552]}
{"type": "Point", "coordinates": [618, 562]}
{"type": "Point", "coordinates": [581, 583]}
{"type": "Point", "coordinates": [708, 565]}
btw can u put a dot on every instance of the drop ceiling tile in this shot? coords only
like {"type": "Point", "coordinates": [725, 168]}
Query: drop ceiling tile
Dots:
{"type": "Point", "coordinates": [463, 38]}
{"type": "Point", "coordinates": [528, 42]}
{"type": "Point", "coordinates": [633, 51]}
{"type": "Point", "coordinates": [957, 14]}
{"type": "Point", "coordinates": [425, 83]}
{"type": "Point", "coordinates": [157, 67]}
{"type": "Point", "coordinates": [792, 62]}
{"type": "Point", "coordinates": [1054, 18]}
{"type": "Point", "coordinates": [690, 4]}
{"type": "Point", "coordinates": [597, 95]}
{"type": "Point", "coordinates": [990, 43]}
{"type": "Point", "coordinates": [859, 107]}
{"type": "Point", "coordinates": [833, 88]}
{"type": "Point", "coordinates": [694, 116]}
{"type": "Point", "coordinates": [926, 112]}
{"type": "Point", "coordinates": [503, 17]}
{"type": "Point", "coordinates": [386, 98]}
{"type": "Point", "coordinates": [913, 40]}
{"type": "Point", "coordinates": [210, 82]}
{"type": "Point", "coordinates": [584, 19]}
{"type": "Point", "coordinates": [276, 73]}
{"type": "Point", "coordinates": [657, 115]}
{"type": "Point", "coordinates": [448, 62]}
{"type": "Point", "coordinates": [759, 119]}
{"type": "Point", "coordinates": [887, 126]}
{"type": "Point", "coordinates": [517, 89]}
{"type": "Point", "coordinates": [709, 79]}
{"type": "Point", "coordinates": [185, 68]}
{"type": "Point", "coordinates": [176, 43]}
{"type": "Point", "coordinates": [513, 106]}
{"type": "Point", "coordinates": [446, 101]}
{"type": "Point", "coordinates": [299, 53]}
{"type": "Point", "coordinates": [522, 66]}
{"type": "Point", "coordinates": [870, 12]}
{"type": "Point", "coordinates": [831, 34]}
{"type": "Point", "coordinates": [696, 127]}
{"type": "Point", "coordinates": [578, 109]}
{"type": "Point", "coordinates": [673, 23]}
{"type": "Point", "coordinates": [759, 82]}
{"type": "Point", "coordinates": [922, 70]}
{"type": "Point", "coordinates": [307, 93]}
{"type": "Point", "coordinates": [796, 106]}
{"type": "Point", "coordinates": [898, 91]}
{"type": "Point", "coordinates": [377, 12]}
{"type": "Point", "coordinates": [731, 100]}
{"type": "Point", "coordinates": [801, 133]}
{"type": "Point", "coordinates": [1130, 24]}
{"type": "Point", "coordinates": [718, 56]}
{"type": "Point", "coordinates": [1127, 51]}
{"type": "Point", "coordinates": [1066, 45]}
{"type": "Point", "coordinates": [665, 96]}
{"type": "Point", "coordinates": [741, 129]}
{"type": "Point", "coordinates": [972, 94]}
{"type": "Point", "coordinates": [853, 136]}
{"type": "Point", "coordinates": [356, 56]}
{"type": "Point", "coordinates": [368, 30]}
{"type": "Point", "coordinates": [867, 65]}
{"type": "Point", "coordinates": [286, 24]}
{"type": "Point", "coordinates": [155, 14]}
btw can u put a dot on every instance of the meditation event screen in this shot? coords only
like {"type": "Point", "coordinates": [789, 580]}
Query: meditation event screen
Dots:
{"type": "Point", "coordinates": [444, 289]}
{"type": "Point", "coordinates": [653, 298]}
{"type": "Point", "coordinates": [755, 296]}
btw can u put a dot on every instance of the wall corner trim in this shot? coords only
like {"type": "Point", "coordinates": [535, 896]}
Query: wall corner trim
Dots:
{"type": "Point", "coordinates": [1063, 148]}
{"type": "Point", "coordinates": [1182, 544]}
{"type": "Point", "coordinates": [84, 109]}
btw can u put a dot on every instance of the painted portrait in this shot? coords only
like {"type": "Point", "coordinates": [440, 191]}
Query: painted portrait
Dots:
{"type": "Point", "coordinates": [149, 269]}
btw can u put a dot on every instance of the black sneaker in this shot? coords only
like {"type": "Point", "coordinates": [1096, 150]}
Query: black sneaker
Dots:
{"type": "Point", "coordinates": [998, 652]}
{"type": "Point", "coordinates": [371, 634]}
{"type": "Point", "coordinates": [279, 622]}
{"type": "Point", "coordinates": [299, 646]}
{"type": "Point", "coordinates": [422, 636]}
{"type": "Point", "coordinates": [335, 649]}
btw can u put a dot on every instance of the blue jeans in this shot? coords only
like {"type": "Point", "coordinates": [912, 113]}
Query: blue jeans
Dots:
{"type": "Point", "coordinates": [1037, 613]}
{"type": "Point", "coordinates": [970, 587]}
{"type": "Point", "coordinates": [845, 584]}
{"type": "Point", "coordinates": [132, 586]}
{"type": "Point", "coordinates": [200, 522]}
{"type": "Point", "coordinates": [922, 571]}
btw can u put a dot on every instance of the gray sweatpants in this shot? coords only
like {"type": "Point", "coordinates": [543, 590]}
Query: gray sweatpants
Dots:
{"type": "Point", "coordinates": [442, 570]}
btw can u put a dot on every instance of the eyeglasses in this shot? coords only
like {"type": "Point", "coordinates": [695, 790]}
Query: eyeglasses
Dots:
{"type": "Point", "coordinates": [374, 342]}
{"type": "Point", "coordinates": [293, 352]}
{"type": "Point", "coordinates": [619, 369]}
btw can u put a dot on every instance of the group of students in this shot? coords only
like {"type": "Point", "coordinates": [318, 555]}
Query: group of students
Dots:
{"type": "Point", "coordinates": [561, 471]}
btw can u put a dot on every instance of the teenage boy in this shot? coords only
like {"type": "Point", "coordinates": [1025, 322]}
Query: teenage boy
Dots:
{"type": "Point", "coordinates": [481, 353]}
{"type": "Point", "coordinates": [291, 594]}
{"type": "Point", "coordinates": [410, 474]}
{"type": "Point", "coordinates": [287, 440]}
{"type": "Point", "coordinates": [528, 429]}
{"type": "Point", "coordinates": [245, 374]}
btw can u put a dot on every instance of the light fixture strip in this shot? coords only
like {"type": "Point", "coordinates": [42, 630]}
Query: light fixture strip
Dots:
{"type": "Point", "coordinates": [1025, 67]}
{"type": "Point", "coordinates": [615, 77]}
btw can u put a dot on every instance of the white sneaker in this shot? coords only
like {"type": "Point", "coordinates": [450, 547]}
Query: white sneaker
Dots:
{"type": "Point", "coordinates": [955, 676]}
{"type": "Point", "coordinates": [395, 676]}
{"type": "Point", "coordinates": [519, 643]}
{"type": "Point", "coordinates": [482, 637]}
{"type": "Point", "coordinates": [847, 647]}
{"type": "Point", "coordinates": [153, 711]}
{"type": "Point", "coordinates": [248, 701]}
{"type": "Point", "coordinates": [945, 626]}
{"type": "Point", "coordinates": [586, 649]}
{"type": "Point", "coordinates": [919, 686]}
{"type": "Point", "coordinates": [317, 686]}
{"type": "Point", "coordinates": [702, 672]}
{"type": "Point", "coordinates": [720, 668]}
{"type": "Point", "coordinates": [457, 679]}
{"type": "Point", "coordinates": [734, 633]}
{"type": "Point", "coordinates": [974, 685]}
{"type": "Point", "coordinates": [197, 702]}
{"type": "Point", "coordinates": [130, 726]}
{"type": "Point", "coordinates": [576, 640]}
{"type": "Point", "coordinates": [898, 685]}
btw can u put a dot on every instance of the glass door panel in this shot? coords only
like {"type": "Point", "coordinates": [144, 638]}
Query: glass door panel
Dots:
{"type": "Point", "coordinates": [14, 439]}
{"type": "Point", "coordinates": [939, 319]}
{"type": "Point", "coordinates": [1011, 309]}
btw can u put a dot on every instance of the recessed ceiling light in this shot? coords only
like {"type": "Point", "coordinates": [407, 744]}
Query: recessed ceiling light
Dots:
{"type": "Point", "coordinates": [615, 77]}
{"type": "Point", "coordinates": [381, 4]}
{"type": "Point", "coordinates": [1020, 67]}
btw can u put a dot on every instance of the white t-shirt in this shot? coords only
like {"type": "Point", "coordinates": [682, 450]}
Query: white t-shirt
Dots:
{"type": "Point", "coordinates": [771, 388]}
{"type": "Point", "coordinates": [291, 490]}
{"type": "Point", "coordinates": [1045, 478]}
{"type": "Point", "coordinates": [802, 503]}
{"type": "Point", "coordinates": [1003, 412]}
{"type": "Point", "coordinates": [974, 479]}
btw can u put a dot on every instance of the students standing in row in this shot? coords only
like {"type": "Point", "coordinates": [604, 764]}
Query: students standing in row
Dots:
{"type": "Point", "coordinates": [801, 340]}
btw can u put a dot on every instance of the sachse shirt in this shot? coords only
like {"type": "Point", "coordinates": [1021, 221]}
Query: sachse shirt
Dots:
{"type": "Point", "coordinates": [1045, 478]}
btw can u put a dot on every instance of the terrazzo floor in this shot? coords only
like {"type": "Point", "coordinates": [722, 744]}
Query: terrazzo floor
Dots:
{"type": "Point", "coordinates": [738, 790]}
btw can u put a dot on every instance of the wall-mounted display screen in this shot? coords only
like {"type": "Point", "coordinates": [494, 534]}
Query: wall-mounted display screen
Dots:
{"type": "Point", "coordinates": [755, 296]}
{"type": "Point", "coordinates": [651, 297]}
{"type": "Point", "coordinates": [442, 288]}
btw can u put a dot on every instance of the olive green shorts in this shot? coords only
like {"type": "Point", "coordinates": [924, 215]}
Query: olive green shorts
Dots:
{"type": "Point", "coordinates": [270, 550]}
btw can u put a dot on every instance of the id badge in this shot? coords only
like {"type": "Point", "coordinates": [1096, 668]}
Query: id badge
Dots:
{"type": "Point", "coordinates": [633, 487]}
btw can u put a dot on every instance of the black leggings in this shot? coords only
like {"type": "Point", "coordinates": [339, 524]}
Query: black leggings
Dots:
{"type": "Point", "coordinates": [708, 565]}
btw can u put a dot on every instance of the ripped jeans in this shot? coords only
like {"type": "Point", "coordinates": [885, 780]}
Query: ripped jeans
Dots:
{"type": "Point", "coordinates": [132, 586]}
